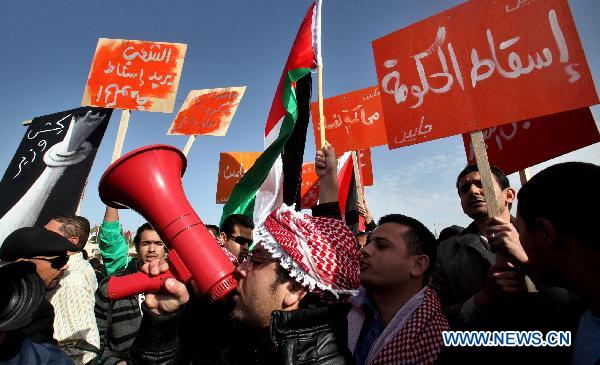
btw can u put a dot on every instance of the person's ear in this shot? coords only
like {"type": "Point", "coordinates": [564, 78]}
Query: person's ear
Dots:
{"type": "Point", "coordinates": [293, 295]}
{"type": "Point", "coordinates": [509, 195]}
{"type": "Point", "coordinates": [546, 233]}
{"type": "Point", "coordinates": [419, 264]}
{"type": "Point", "coordinates": [74, 240]}
{"type": "Point", "coordinates": [223, 236]}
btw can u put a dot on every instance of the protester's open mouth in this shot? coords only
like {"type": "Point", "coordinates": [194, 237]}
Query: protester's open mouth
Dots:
{"type": "Point", "coordinates": [477, 202]}
{"type": "Point", "coordinates": [363, 265]}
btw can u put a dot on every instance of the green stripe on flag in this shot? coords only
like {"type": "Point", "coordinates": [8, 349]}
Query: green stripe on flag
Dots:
{"type": "Point", "coordinates": [242, 197]}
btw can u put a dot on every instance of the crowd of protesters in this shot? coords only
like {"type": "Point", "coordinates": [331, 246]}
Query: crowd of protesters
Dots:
{"type": "Point", "coordinates": [310, 291]}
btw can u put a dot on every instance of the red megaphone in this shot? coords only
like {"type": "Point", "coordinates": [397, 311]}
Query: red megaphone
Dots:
{"type": "Point", "coordinates": [148, 180]}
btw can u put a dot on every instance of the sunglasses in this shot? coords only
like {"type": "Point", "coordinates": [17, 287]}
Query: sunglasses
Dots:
{"type": "Point", "coordinates": [240, 240]}
{"type": "Point", "coordinates": [55, 262]}
{"type": "Point", "coordinates": [255, 261]}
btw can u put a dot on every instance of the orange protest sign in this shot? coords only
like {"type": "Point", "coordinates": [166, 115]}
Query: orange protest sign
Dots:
{"type": "Point", "coordinates": [352, 121]}
{"type": "Point", "coordinates": [479, 65]}
{"type": "Point", "coordinates": [136, 75]}
{"type": "Point", "coordinates": [516, 146]}
{"type": "Point", "coordinates": [309, 193]}
{"type": "Point", "coordinates": [207, 112]}
{"type": "Point", "coordinates": [232, 166]}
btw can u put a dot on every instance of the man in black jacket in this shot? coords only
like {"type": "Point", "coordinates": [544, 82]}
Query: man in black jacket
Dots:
{"type": "Point", "coordinates": [291, 293]}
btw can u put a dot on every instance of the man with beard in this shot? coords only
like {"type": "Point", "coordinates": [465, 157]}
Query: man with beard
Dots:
{"type": "Point", "coordinates": [119, 320]}
{"type": "Point", "coordinates": [291, 294]}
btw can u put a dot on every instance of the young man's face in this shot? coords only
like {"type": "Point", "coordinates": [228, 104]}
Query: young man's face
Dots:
{"type": "Point", "coordinates": [472, 199]}
{"type": "Point", "coordinates": [384, 261]}
{"type": "Point", "coordinates": [258, 294]}
{"type": "Point", "coordinates": [237, 242]}
{"type": "Point", "coordinates": [151, 247]}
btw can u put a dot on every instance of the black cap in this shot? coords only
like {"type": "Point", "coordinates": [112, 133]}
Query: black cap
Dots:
{"type": "Point", "coordinates": [29, 242]}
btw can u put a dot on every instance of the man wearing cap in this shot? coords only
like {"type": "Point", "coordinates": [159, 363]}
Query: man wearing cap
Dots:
{"type": "Point", "coordinates": [291, 294]}
{"type": "Point", "coordinates": [47, 251]}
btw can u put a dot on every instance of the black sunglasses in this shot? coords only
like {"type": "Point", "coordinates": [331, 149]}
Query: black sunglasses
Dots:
{"type": "Point", "coordinates": [55, 262]}
{"type": "Point", "coordinates": [241, 240]}
{"type": "Point", "coordinates": [254, 260]}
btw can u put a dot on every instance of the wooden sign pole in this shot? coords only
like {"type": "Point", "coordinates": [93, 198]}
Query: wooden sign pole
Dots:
{"type": "Point", "coordinates": [320, 97]}
{"type": "Point", "coordinates": [357, 178]}
{"type": "Point", "coordinates": [123, 124]}
{"type": "Point", "coordinates": [188, 145]}
{"type": "Point", "coordinates": [483, 165]}
{"type": "Point", "coordinates": [524, 175]}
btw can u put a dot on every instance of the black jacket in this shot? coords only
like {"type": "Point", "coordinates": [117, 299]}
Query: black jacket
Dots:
{"type": "Point", "coordinates": [310, 336]}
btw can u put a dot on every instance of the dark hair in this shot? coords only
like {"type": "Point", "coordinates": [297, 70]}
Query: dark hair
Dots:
{"type": "Point", "coordinates": [361, 234]}
{"type": "Point", "coordinates": [499, 174]}
{"type": "Point", "coordinates": [212, 227]}
{"type": "Point", "coordinates": [138, 235]}
{"type": "Point", "coordinates": [419, 239]}
{"type": "Point", "coordinates": [558, 194]}
{"type": "Point", "coordinates": [230, 222]}
{"type": "Point", "coordinates": [449, 232]}
{"type": "Point", "coordinates": [74, 226]}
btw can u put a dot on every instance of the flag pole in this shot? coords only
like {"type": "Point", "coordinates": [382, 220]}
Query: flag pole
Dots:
{"type": "Point", "coordinates": [320, 95]}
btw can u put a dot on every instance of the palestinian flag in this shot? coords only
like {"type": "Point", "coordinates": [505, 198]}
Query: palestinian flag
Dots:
{"type": "Point", "coordinates": [278, 169]}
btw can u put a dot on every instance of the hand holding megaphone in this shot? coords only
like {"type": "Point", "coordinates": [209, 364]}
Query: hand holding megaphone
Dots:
{"type": "Point", "coordinates": [174, 295]}
{"type": "Point", "coordinates": [148, 180]}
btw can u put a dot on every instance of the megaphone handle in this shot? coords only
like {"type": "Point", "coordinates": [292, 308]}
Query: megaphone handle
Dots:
{"type": "Point", "coordinates": [120, 287]}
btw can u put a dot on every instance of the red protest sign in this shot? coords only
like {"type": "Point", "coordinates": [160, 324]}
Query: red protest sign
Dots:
{"type": "Point", "coordinates": [232, 166]}
{"type": "Point", "coordinates": [137, 75]}
{"type": "Point", "coordinates": [479, 65]}
{"type": "Point", "coordinates": [366, 167]}
{"type": "Point", "coordinates": [516, 146]}
{"type": "Point", "coordinates": [352, 121]}
{"type": "Point", "coordinates": [207, 112]}
{"type": "Point", "coordinates": [309, 193]}
{"type": "Point", "coordinates": [310, 180]}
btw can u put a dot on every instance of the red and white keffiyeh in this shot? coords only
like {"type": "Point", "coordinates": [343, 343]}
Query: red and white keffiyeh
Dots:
{"type": "Point", "coordinates": [227, 253]}
{"type": "Point", "coordinates": [318, 252]}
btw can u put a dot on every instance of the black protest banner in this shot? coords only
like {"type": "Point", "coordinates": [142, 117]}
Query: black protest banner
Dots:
{"type": "Point", "coordinates": [49, 171]}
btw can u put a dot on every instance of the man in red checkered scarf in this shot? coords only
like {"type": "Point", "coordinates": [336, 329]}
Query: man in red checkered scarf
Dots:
{"type": "Point", "coordinates": [291, 302]}
{"type": "Point", "coordinates": [397, 318]}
